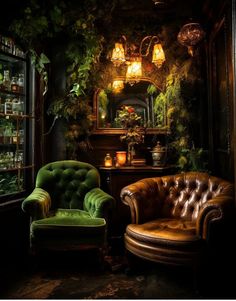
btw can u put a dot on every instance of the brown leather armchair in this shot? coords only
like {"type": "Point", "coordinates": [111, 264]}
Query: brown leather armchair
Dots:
{"type": "Point", "coordinates": [173, 217]}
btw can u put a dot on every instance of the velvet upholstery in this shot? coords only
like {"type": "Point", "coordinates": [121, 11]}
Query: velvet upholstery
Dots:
{"type": "Point", "coordinates": [172, 216]}
{"type": "Point", "coordinates": [68, 209]}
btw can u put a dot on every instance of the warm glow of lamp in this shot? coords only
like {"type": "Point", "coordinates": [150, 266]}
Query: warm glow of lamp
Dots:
{"type": "Point", "coordinates": [118, 86]}
{"type": "Point", "coordinates": [121, 158]}
{"type": "Point", "coordinates": [132, 54]}
{"type": "Point", "coordinates": [134, 70]}
{"type": "Point", "coordinates": [118, 54]}
{"type": "Point", "coordinates": [108, 160]}
{"type": "Point", "coordinates": [158, 55]}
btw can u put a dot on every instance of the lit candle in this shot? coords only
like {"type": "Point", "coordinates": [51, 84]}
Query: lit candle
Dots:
{"type": "Point", "coordinates": [108, 160]}
{"type": "Point", "coordinates": [121, 158]}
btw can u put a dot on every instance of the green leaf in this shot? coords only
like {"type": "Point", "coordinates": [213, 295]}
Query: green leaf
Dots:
{"type": "Point", "coordinates": [43, 59]}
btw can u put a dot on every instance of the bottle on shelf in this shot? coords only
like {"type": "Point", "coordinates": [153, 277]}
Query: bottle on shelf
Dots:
{"type": "Point", "coordinates": [14, 84]}
{"type": "Point", "coordinates": [8, 106]}
{"type": "Point", "coordinates": [6, 83]}
{"type": "Point", "coordinates": [21, 136]}
{"type": "Point", "coordinates": [15, 106]}
{"type": "Point", "coordinates": [7, 135]}
{"type": "Point", "coordinates": [15, 137]}
{"type": "Point", "coordinates": [108, 160]}
{"type": "Point", "coordinates": [21, 107]}
{"type": "Point", "coordinates": [21, 82]}
{"type": "Point", "coordinates": [18, 159]}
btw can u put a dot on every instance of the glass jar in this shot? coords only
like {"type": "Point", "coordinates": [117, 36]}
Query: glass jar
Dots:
{"type": "Point", "coordinates": [21, 136]}
{"type": "Point", "coordinates": [121, 158]}
{"type": "Point", "coordinates": [15, 106]}
{"type": "Point", "coordinates": [108, 160]}
{"type": "Point", "coordinates": [7, 138]}
{"type": "Point", "coordinates": [14, 84]}
{"type": "Point", "coordinates": [19, 159]}
{"type": "Point", "coordinates": [21, 107]}
{"type": "Point", "coordinates": [6, 83]}
{"type": "Point", "coordinates": [21, 82]}
{"type": "Point", "coordinates": [159, 154]}
{"type": "Point", "coordinates": [8, 106]}
{"type": "Point", "coordinates": [15, 137]}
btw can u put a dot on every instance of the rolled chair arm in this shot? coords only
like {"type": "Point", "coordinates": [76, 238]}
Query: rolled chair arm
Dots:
{"type": "Point", "coordinates": [142, 198]}
{"type": "Point", "coordinates": [37, 204]}
{"type": "Point", "coordinates": [215, 210]}
{"type": "Point", "coordinates": [99, 203]}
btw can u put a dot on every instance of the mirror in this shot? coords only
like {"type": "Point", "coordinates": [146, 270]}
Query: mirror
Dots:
{"type": "Point", "coordinates": [141, 95]}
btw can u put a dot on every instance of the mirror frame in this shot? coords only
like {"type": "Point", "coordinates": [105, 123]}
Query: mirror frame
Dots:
{"type": "Point", "coordinates": [102, 131]}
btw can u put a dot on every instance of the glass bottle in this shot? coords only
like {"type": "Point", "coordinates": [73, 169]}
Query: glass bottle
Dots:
{"type": "Point", "coordinates": [20, 107]}
{"type": "Point", "coordinates": [21, 82]}
{"type": "Point", "coordinates": [14, 84]}
{"type": "Point", "coordinates": [108, 160]}
{"type": "Point", "coordinates": [15, 137]}
{"type": "Point", "coordinates": [7, 138]}
{"type": "Point", "coordinates": [15, 106]}
{"type": "Point", "coordinates": [6, 83]}
{"type": "Point", "coordinates": [8, 106]}
{"type": "Point", "coordinates": [21, 136]}
{"type": "Point", "coordinates": [18, 159]}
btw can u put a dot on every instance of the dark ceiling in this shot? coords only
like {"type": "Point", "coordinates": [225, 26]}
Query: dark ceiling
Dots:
{"type": "Point", "coordinates": [147, 17]}
{"type": "Point", "coordinates": [154, 12]}
{"type": "Point", "coordinates": [160, 10]}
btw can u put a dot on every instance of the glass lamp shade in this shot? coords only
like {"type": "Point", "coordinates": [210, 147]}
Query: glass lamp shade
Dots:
{"type": "Point", "coordinates": [121, 158]}
{"type": "Point", "coordinates": [190, 35]}
{"type": "Point", "coordinates": [118, 54]}
{"type": "Point", "coordinates": [134, 70]}
{"type": "Point", "coordinates": [117, 86]}
{"type": "Point", "coordinates": [158, 55]}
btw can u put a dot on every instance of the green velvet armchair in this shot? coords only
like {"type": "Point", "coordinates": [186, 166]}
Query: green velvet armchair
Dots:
{"type": "Point", "coordinates": [68, 210]}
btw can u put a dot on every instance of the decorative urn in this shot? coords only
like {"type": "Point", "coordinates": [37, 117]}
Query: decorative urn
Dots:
{"type": "Point", "coordinates": [159, 154]}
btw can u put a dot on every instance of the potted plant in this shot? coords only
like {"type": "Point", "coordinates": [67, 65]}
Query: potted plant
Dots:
{"type": "Point", "coordinates": [129, 120]}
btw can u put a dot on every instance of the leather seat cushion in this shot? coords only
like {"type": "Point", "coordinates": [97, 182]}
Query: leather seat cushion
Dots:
{"type": "Point", "coordinates": [164, 230]}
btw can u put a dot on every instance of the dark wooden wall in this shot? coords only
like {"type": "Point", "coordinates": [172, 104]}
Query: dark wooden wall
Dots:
{"type": "Point", "coordinates": [221, 88]}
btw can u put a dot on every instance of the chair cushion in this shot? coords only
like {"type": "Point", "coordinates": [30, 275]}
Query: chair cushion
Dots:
{"type": "Point", "coordinates": [75, 224]}
{"type": "Point", "coordinates": [165, 240]}
{"type": "Point", "coordinates": [164, 230]}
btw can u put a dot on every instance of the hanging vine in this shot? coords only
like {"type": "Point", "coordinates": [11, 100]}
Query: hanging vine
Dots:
{"type": "Point", "coordinates": [179, 97]}
{"type": "Point", "coordinates": [40, 24]}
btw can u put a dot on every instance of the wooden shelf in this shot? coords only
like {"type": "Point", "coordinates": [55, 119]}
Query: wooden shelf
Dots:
{"type": "Point", "coordinates": [11, 93]}
{"type": "Point", "coordinates": [16, 116]}
{"type": "Point", "coordinates": [131, 168]}
{"type": "Point", "coordinates": [16, 168]}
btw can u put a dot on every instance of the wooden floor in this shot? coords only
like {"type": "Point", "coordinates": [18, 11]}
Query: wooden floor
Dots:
{"type": "Point", "coordinates": [80, 276]}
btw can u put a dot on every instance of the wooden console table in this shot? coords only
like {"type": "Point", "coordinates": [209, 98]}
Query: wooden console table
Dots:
{"type": "Point", "coordinates": [114, 179]}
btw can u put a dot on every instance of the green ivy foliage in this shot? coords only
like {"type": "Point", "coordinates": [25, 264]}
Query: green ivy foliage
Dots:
{"type": "Point", "coordinates": [40, 24]}
{"type": "Point", "coordinates": [179, 98]}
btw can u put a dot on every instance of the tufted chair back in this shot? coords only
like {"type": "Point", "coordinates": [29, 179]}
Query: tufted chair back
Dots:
{"type": "Point", "coordinates": [67, 182]}
{"type": "Point", "coordinates": [175, 196]}
{"type": "Point", "coordinates": [187, 193]}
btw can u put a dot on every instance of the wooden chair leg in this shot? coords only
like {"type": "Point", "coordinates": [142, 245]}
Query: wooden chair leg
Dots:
{"type": "Point", "coordinates": [131, 263]}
